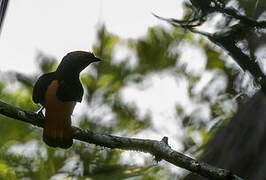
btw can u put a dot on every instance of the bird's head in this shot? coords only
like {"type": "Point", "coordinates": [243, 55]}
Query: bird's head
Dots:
{"type": "Point", "coordinates": [74, 62]}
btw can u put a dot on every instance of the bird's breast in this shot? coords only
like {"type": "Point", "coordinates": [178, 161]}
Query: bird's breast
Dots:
{"type": "Point", "coordinates": [55, 104]}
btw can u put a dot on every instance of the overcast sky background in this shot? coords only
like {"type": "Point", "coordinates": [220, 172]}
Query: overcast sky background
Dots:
{"type": "Point", "coordinates": [59, 26]}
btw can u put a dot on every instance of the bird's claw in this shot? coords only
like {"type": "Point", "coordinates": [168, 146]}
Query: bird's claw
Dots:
{"type": "Point", "coordinates": [40, 113]}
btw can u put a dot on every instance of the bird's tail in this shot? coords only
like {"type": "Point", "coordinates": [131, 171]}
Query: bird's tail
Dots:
{"type": "Point", "coordinates": [57, 126]}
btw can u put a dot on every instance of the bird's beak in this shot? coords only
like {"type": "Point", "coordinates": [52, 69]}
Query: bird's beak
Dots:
{"type": "Point", "coordinates": [96, 59]}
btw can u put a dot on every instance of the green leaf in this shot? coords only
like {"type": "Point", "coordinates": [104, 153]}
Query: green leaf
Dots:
{"type": "Point", "coordinates": [7, 172]}
{"type": "Point", "coordinates": [214, 61]}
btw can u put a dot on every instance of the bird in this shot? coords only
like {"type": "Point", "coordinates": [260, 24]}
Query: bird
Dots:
{"type": "Point", "coordinates": [58, 92]}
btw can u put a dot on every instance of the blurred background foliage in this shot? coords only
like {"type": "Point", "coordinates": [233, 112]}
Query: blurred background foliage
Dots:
{"type": "Point", "coordinates": [213, 92]}
{"type": "Point", "coordinates": [24, 155]}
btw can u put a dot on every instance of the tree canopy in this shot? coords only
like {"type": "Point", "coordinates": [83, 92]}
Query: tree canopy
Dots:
{"type": "Point", "coordinates": [212, 89]}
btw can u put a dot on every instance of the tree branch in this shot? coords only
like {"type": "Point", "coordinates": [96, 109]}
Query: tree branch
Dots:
{"type": "Point", "coordinates": [160, 149]}
{"type": "Point", "coordinates": [228, 41]}
{"type": "Point", "coordinates": [3, 8]}
{"type": "Point", "coordinates": [225, 41]}
{"type": "Point", "coordinates": [230, 11]}
{"type": "Point", "coordinates": [208, 7]}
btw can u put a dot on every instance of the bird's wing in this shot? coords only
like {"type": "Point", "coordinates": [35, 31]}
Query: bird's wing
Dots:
{"type": "Point", "coordinates": [70, 91]}
{"type": "Point", "coordinates": [40, 87]}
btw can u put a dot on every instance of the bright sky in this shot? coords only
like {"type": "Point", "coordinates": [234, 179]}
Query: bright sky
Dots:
{"type": "Point", "coordinates": [57, 27]}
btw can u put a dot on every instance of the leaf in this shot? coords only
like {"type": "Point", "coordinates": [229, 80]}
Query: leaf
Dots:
{"type": "Point", "coordinates": [105, 80]}
{"type": "Point", "coordinates": [213, 60]}
{"type": "Point", "coordinates": [7, 172]}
